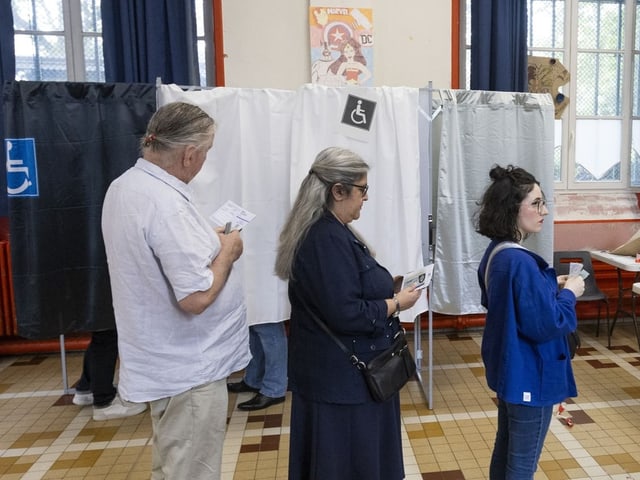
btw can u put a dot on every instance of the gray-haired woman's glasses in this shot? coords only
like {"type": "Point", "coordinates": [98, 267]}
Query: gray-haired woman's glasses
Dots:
{"type": "Point", "coordinates": [363, 188]}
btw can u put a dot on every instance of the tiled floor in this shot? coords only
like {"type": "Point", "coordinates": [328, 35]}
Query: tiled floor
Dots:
{"type": "Point", "coordinates": [44, 436]}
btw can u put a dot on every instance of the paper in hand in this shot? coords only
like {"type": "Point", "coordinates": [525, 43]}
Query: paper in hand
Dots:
{"type": "Point", "coordinates": [420, 278]}
{"type": "Point", "coordinates": [234, 213]}
{"type": "Point", "coordinates": [576, 269]}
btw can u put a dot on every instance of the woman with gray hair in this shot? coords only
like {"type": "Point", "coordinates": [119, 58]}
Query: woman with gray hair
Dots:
{"type": "Point", "coordinates": [338, 430]}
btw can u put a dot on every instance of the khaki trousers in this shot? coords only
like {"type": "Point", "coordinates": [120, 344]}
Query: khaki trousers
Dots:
{"type": "Point", "coordinates": [188, 433]}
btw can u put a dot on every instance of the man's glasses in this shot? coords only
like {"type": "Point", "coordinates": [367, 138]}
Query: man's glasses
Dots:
{"type": "Point", "coordinates": [539, 205]}
{"type": "Point", "coordinates": [363, 188]}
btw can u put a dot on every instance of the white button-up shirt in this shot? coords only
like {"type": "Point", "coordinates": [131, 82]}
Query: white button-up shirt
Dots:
{"type": "Point", "coordinates": [159, 248]}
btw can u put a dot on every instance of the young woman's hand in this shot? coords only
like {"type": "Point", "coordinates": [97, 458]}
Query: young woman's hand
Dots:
{"type": "Point", "coordinates": [575, 284]}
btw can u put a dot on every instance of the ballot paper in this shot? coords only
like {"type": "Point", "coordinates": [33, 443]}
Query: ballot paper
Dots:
{"type": "Point", "coordinates": [576, 269]}
{"type": "Point", "coordinates": [420, 277]}
{"type": "Point", "coordinates": [234, 213]}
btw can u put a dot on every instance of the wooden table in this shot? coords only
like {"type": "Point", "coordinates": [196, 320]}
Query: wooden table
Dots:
{"type": "Point", "coordinates": [622, 263]}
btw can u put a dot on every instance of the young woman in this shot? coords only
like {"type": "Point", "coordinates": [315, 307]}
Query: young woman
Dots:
{"type": "Point", "coordinates": [524, 346]}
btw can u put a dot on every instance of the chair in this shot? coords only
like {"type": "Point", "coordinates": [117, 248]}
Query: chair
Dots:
{"type": "Point", "coordinates": [592, 293]}
{"type": "Point", "coordinates": [635, 291]}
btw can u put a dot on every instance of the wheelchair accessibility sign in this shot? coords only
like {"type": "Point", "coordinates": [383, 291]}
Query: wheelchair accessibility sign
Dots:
{"type": "Point", "coordinates": [22, 170]}
{"type": "Point", "coordinates": [358, 112]}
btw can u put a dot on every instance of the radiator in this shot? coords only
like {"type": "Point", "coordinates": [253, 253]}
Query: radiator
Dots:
{"type": "Point", "coordinates": [8, 323]}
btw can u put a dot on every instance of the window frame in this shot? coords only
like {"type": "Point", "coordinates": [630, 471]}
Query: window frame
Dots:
{"type": "Point", "coordinates": [74, 41]}
{"type": "Point", "coordinates": [569, 119]}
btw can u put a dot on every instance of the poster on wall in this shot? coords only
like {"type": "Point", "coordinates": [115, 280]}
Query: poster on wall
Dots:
{"type": "Point", "coordinates": [341, 40]}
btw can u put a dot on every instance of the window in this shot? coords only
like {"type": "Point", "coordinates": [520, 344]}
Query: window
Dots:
{"type": "Point", "coordinates": [61, 40]}
{"type": "Point", "coordinates": [58, 40]}
{"type": "Point", "coordinates": [597, 139]}
{"type": "Point", "coordinates": [204, 37]}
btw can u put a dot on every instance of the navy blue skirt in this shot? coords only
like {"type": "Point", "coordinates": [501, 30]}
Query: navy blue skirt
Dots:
{"type": "Point", "coordinates": [345, 442]}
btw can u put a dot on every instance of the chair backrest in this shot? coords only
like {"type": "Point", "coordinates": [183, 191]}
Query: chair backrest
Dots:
{"type": "Point", "coordinates": [561, 261]}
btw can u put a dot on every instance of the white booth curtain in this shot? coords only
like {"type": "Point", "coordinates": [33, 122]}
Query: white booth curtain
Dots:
{"type": "Point", "coordinates": [477, 130]}
{"type": "Point", "coordinates": [265, 143]}
{"type": "Point", "coordinates": [267, 140]}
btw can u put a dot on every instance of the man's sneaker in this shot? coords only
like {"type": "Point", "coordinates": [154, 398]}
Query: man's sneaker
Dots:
{"type": "Point", "coordinates": [82, 398]}
{"type": "Point", "coordinates": [119, 408]}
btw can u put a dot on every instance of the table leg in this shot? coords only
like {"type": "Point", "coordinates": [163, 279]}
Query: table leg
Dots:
{"type": "Point", "coordinates": [634, 317]}
{"type": "Point", "coordinates": [619, 307]}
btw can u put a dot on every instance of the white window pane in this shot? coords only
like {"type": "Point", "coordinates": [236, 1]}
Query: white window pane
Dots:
{"type": "Point", "coordinates": [546, 23]}
{"type": "Point", "coordinates": [635, 153]}
{"type": "Point", "coordinates": [601, 24]}
{"type": "Point", "coordinates": [200, 18]}
{"type": "Point", "coordinates": [636, 85]}
{"type": "Point", "coordinates": [637, 37]}
{"type": "Point", "coordinates": [557, 150]}
{"type": "Point", "coordinates": [37, 15]}
{"type": "Point", "coordinates": [599, 84]}
{"type": "Point", "coordinates": [91, 16]}
{"type": "Point", "coordinates": [597, 148]}
{"type": "Point", "coordinates": [202, 62]}
{"type": "Point", "coordinates": [93, 59]}
{"type": "Point", "coordinates": [467, 30]}
{"type": "Point", "coordinates": [40, 57]}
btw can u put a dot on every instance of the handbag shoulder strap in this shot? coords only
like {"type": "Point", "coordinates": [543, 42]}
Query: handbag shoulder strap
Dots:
{"type": "Point", "coordinates": [352, 356]}
{"type": "Point", "coordinates": [501, 246]}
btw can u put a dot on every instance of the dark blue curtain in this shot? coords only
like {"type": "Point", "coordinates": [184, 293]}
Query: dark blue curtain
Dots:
{"type": "Point", "coordinates": [7, 74]}
{"type": "Point", "coordinates": [147, 39]}
{"type": "Point", "coordinates": [499, 45]}
{"type": "Point", "coordinates": [85, 135]}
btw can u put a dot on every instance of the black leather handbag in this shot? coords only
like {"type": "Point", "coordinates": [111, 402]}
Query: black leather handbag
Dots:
{"type": "Point", "coordinates": [574, 342]}
{"type": "Point", "coordinates": [387, 373]}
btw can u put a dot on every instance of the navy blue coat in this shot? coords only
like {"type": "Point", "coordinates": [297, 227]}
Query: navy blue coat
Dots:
{"type": "Point", "coordinates": [344, 285]}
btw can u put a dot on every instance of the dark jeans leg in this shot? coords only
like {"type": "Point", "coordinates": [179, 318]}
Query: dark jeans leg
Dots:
{"type": "Point", "coordinates": [101, 357]}
{"type": "Point", "coordinates": [84, 384]}
{"type": "Point", "coordinates": [519, 440]}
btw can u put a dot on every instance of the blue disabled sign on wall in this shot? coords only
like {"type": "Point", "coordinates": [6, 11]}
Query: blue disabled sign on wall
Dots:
{"type": "Point", "coordinates": [22, 169]}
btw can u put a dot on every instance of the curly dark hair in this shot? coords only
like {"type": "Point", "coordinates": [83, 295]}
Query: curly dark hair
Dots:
{"type": "Point", "coordinates": [498, 213]}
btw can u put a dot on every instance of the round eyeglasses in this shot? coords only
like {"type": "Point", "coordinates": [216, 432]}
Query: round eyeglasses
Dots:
{"type": "Point", "coordinates": [539, 205]}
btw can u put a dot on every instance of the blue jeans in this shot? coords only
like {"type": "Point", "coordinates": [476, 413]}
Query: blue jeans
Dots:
{"type": "Point", "coordinates": [267, 369]}
{"type": "Point", "coordinates": [519, 440]}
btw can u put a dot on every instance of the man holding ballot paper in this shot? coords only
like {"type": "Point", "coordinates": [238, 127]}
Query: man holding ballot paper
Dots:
{"type": "Point", "coordinates": [177, 297]}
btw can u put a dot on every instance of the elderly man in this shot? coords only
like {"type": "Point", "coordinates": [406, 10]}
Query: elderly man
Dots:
{"type": "Point", "coordinates": [178, 300]}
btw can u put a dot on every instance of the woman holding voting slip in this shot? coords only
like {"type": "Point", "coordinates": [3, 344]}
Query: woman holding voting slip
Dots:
{"type": "Point", "coordinates": [524, 346]}
{"type": "Point", "coordinates": [338, 430]}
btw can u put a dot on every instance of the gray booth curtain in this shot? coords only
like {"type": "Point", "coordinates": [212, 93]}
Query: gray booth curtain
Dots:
{"type": "Point", "coordinates": [84, 135]}
{"type": "Point", "coordinates": [475, 131]}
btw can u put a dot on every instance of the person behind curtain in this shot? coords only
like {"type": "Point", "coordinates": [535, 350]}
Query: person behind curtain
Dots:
{"type": "Point", "coordinates": [177, 298]}
{"type": "Point", "coordinates": [524, 346]}
{"type": "Point", "coordinates": [266, 374]}
{"type": "Point", "coordinates": [95, 386]}
{"type": "Point", "coordinates": [337, 430]}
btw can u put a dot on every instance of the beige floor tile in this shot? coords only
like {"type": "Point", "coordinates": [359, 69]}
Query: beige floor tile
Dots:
{"type": "Point", "coordinates": [43, 432]}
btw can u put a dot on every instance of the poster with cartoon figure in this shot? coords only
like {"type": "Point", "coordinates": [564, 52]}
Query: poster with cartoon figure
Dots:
{"type": "Point", "coordinates": [341, 39]}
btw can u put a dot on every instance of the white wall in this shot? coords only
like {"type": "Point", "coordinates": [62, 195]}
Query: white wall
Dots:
{"type": "Point", "coordinates": [266, 43]}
